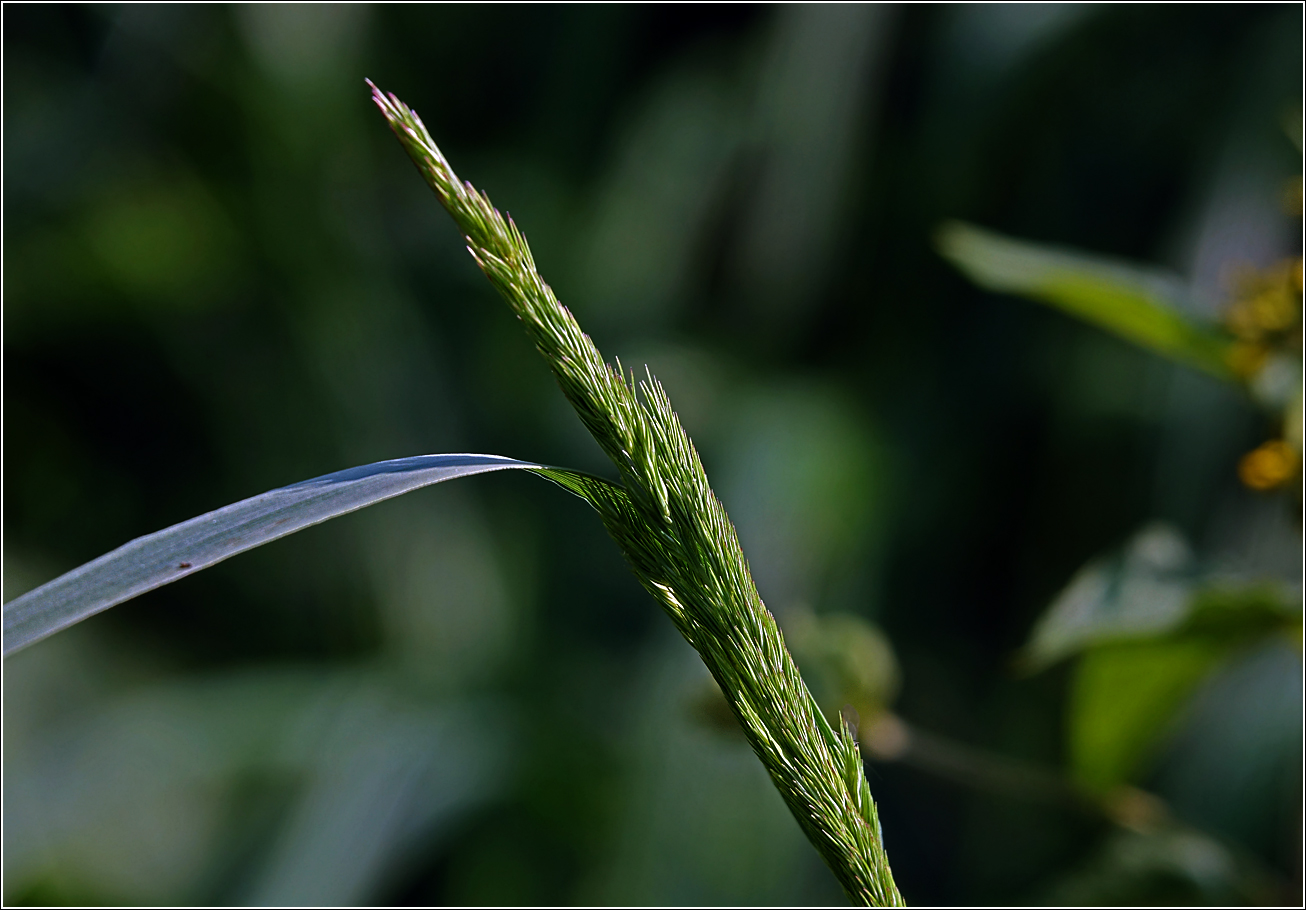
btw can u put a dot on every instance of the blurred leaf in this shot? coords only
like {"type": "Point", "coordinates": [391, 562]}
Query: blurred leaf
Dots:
{"type": "Point", "coordinates": [388, 775]}
{"type": "Point", "coordinates": [165, 556]}
{"type": "Point", "coordinates": [849, 661]}
{"type": "Point", "coordinates": [1151, 590]}
{"type": "Point", "coordinates": [164, 242]}
{"type": "Point", "coordinates": [1150, 630]}
{"type": "Point", "coordinates": [1126, 695]}
{"type": "Point", "coordinates": [1142, 591]}
{"type": "Point", "coordinates": [136, 797]}
{"type": "Point", "coordinates": [1241, 612]}
{"type": "Point", "coordinates": [1123, 698]}
{"type": "Point", "coordinates": [1136, 304]}
{"type": "Point", "coordinates": [700, 825]}
{"type": "Point", "coordinates": [1175, 866]}
{"type": "Point", "coordinates": [803, 474]}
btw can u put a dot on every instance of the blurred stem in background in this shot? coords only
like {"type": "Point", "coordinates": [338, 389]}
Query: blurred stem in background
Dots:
{"type": "Point", "coordinates": [1134, 811]}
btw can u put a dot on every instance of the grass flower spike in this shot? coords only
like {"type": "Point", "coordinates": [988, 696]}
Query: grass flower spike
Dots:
{"type": "Point", "coordinates": [678, 540]}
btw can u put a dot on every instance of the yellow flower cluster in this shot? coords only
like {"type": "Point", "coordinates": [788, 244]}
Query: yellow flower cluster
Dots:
{"type": "Point", "coordinates": [1269, 465]}
{"type": "Point", "coordinates": [1265, 318]}
{"type": "Point", "coordinates": [1266, 309]}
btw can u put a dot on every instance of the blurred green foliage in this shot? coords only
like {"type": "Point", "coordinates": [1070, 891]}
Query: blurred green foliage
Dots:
{"type": "Point", "coordinates": [1132, 303]}
{"type": "Point", "coordinates": [222, 276]}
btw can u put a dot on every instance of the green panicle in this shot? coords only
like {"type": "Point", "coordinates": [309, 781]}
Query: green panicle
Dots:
{"type": "Point", "coordinates": [678, 540]}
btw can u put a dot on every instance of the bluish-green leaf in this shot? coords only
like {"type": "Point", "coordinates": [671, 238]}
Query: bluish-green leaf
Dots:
{"type": "Point", "coordinates": [1152, 589]}
{"type": "Point", "coordinates": [1135, 303]}
{"type": "Point", "coordinates": [165, 556]}
{"type": "Point", "coordinates": [1143, 590]}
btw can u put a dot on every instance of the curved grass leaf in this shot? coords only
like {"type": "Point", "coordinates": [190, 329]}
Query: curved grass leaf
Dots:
{"type": "Point", "coordinates": [1134, 303]}
{"type": "Point", "coordinates": [165, 556]}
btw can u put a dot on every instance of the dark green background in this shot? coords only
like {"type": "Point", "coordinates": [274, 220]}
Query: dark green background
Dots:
{"type": "Point", "coordinates": [222, 275]}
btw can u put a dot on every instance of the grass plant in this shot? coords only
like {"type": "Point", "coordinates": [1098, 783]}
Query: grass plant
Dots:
{"type": "Point", "coordinates": [662, 513]}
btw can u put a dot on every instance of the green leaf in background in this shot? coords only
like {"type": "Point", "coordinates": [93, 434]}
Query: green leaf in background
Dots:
{"type": "Point", "coordinates": [1144, 590]}
{"type": "Point", "coordinates": [849, 661]}
{"type": "Point", "coordinates": [1135, 303]}
{"type": "Point", "coordinates": [1150, 629]}
{"type": "Point", "coordinates": [126, 791]}
{"type": "Point", "coordinates": [165, 556]}
{"type": "Point", "coordinates": [1176, 867]}
{"type": "Point", "coordinates": [1129, 689]}
{"type": "Point", "coordinates": [1152, 589]}
{"type": "Point", "coordinates": [1243, 612]}
{"type": "Point", "coordinates": [1123, 698]}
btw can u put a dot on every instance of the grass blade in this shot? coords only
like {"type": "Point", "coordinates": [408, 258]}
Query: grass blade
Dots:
{"type": "Point", "coordinates": [163, 557]}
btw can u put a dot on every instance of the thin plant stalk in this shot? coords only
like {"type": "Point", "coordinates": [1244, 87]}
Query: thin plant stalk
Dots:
{"type": "Point", "coordinates": [679, 542]}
